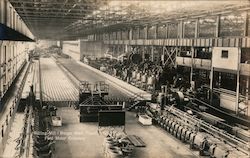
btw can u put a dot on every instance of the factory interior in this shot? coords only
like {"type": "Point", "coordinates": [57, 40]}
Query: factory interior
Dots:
{"type": "Point", "coordinates": [124, 79]}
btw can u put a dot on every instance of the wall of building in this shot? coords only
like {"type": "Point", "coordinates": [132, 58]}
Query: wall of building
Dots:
{"type": "Point", "coordinates": [92, 48]}
{"type": "Point", "coordinates": [10, 18]}
{"type": "Point", "coordinates": [46, 43]}
{"type": "Point", "coordinates": [13, 55]}
{"type": "Point", "coordinates": [71, 48]}
{"type": "Point", "coordinates": [80, 48]}
{"type": "Point", "coordinates": [225, 58]}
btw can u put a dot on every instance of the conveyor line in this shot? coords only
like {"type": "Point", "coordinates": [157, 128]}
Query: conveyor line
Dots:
{"type": "Point", "coordinates": [55, 84]}
{"type": "Point", "coordinates": [83, 74]}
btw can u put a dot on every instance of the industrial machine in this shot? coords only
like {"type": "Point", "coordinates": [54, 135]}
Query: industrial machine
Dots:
{"type": "Point", "coordinates": [84, 91]}
{"type": "Point", "coordinates": [91, 101]}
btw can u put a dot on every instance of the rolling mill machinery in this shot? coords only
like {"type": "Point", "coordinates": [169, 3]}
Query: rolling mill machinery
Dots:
{"type": "Point", "coordinates": [91, 101]}
{"type": "Point", "coordinates": [192, 123]}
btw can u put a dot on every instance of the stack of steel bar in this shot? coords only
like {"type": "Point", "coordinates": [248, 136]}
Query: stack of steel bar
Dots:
{"type": "Point", "coordinates": [55, 84]}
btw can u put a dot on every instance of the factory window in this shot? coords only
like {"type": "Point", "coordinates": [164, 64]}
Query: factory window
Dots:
{"type": "Point", "coordinates": [189, 29]}
{"type": "Point", "coordinates": [228, 81]}
{"type": "Point", "coordinates": [207, 27]}
{"type": "Point", "coordinates": [232, 24]}
{"type": "Point", "coordinates": [135, 33]}
{"type": "Point", "coordinates": [248, 24]}
{"type": "Point", "coordinates": [142, 32]}
{"type": "Point", "coordinates": [118, 35]}
{"type": "Point", "coordinates": [172, 30]}
{"type": "Point", "coordinates": [203, 53]}
{"type": "Point", "coordinates": [125, 35]}
{"type": "Point", "coordinates": [224, 54]}
{"type": "Point", "coordinates": [114, 36]}
{"type": "Point", "coordinates": [161, 32]}
{"type": "Point", "coordinates": [151, 32]}
{"type": "Point", "coordinates": [5, 6]}
{"type": "Point", "coordinates": [245, 56]}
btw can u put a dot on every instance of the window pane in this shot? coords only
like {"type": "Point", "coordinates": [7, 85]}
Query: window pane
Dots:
{"type": "Point", "coordinates": [232, 24]}
{"type": "Point", "coordinates": [189, 29]}
{"type": "Point", "coordinates": [142, 33]}
{"type": "Point", "coordinates": [172, 30]}
{"type": "Point", "coordinates": [161, 33]}
{"type": "Point", "coordinates": [151, 32]}
{"type": "Point", "coordinates": [207, 27]}
{"type": "Point", "coordinates": [224, 54]}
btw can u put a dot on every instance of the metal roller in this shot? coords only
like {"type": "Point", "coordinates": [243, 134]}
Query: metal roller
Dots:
{"type": "Point", "coordinates": [179, 131]}
{"type": "Point", "coordinates": [198, 140]}
{"type": "Point", "coordinates": [166, 123]}
{"type": "Point", "coordinates": [179, 97]}
{"type": "Point", "coordinates": [159, 120]}
{"type": "Point", "coordinates": [219, 150]}
{"type": "Point", "coordinates": [163, 122]}
{"type": "Point", "coordinates": [176, 129]}
{"type": "Point", "coordinates": [172, 127]}
{"type": "Point", "coordinates": [183, 134]}
{"type": "Point", "coordinates": [169, 125]}
{"type": "Point", "coordinates": [191, 140]}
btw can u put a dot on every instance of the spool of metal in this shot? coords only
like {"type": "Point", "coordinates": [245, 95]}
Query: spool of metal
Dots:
{"type": "Point", "coordinates": [220, 150]}
{"type": "Point", "coordinates": [172, 127]}
{"type": "Point", "coordinates": [183, 134]}
{"type": "Point", "coordinates": [176, 130]}
{"type": "Point", "coordinates": [169, 125]}
{"type": "Point", "coordinates": [179, 131]}
{"type": "Point", "coordinates": [179, 96]}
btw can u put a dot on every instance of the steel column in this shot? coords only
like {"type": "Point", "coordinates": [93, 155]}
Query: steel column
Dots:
{"type": "Point", "coordinates": [238, 84]}
{"type": "Point", "coordinates": [217, 31]}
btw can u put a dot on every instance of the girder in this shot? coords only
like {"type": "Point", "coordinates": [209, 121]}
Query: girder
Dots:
{"type": "Point", "coordinates": [83, 17]}
{"type": "Point", "coordinates": [43, 16]}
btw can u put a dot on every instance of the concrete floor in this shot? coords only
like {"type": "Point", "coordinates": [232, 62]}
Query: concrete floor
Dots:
{"type": "Point", "coordinates": [83, 140]}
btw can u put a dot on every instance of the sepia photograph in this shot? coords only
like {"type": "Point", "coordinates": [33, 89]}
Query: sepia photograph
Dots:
{"type": "Point", "coordinates": [124, 78]}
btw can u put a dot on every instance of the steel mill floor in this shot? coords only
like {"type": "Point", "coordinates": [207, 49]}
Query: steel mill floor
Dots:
{"type": "Point", "coordinates": [75, 139]}
{"type": "Point", "coordinates": [89, 143]}
{"type": "Point", "coordinates": [83, 138]}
